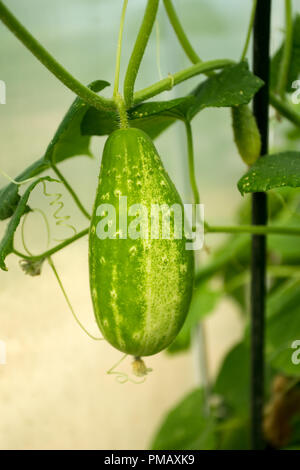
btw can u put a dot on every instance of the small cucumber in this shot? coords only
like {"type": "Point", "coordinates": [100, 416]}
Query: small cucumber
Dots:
{"type": "Point", "coordinates": [141, 288]}
{"type": "Point", "coordinates": [246, 133]}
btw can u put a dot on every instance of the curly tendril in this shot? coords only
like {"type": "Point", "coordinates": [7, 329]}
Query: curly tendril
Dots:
{"type": "Point", "coordinates": [61, 220]}
{"type": "Point", "coordinates": [122, 377]}
{"type": "Point", "coordinates": [69, 302]}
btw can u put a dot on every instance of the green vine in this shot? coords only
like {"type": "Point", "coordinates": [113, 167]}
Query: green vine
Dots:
{"type": "Point", "coordinates": [287, 50]}
{"type": "Point", "coordinates": [50, 63]}
{"type": "Point", "coordinates": [138, 50]}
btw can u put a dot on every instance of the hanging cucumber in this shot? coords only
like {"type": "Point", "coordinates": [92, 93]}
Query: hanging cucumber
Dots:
{"type": "Point", "coordinates": [246, 133]}
{"type": "Point", "coordinates": [141, 288]}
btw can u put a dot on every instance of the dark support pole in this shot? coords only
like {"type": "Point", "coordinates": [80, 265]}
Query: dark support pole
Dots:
{"type": "Point", "coordinates": [259, 217]}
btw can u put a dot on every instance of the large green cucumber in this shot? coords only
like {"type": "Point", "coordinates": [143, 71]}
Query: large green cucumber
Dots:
{"type": "Point", "coordinates": [141, 288]}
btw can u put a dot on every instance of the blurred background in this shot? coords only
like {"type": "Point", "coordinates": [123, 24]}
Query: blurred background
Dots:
{"type": "Point", "coordinates": [54, 391]}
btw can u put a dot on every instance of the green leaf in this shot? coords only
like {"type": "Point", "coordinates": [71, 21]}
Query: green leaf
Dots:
{"type": "Point", "coordinates": [272, 171]}
{"type": "Point", "coordinates": [9, 195]}
{"type": "Point", "coordinates": [235, 434]}
{"type": "Point", "coordinates": [234, 86]}
{"type": "Point", "coordinates": [68, 140]}
{"type": "Point", "coordinates": [186, 426]}
{"type": "Point", "coordinates": [6, 244]}
{"type": "Point", "coordinates": [233, 380]}
{"type": "Point", "coordinates": [294, 69]}
{"type": "Point", "coordinates": [66, 143]}
{"type": "Point", "coordinates": [203, 302]}
{"type": "Point", "coordinates": [283, 327]}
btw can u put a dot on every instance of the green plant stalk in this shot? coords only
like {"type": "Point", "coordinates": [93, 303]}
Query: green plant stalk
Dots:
{"type": "Point", "coordinates": [247, 229]}
{"type": "Point", "coordinates": [50, 63]}
{"type": "Point", "coordinates": [182, 37]}
{"type": "Point", "coordinates": [249, 31]}
{"type": "Point", "coordinates": [178, 77]}
{"type": "Point", "coordinates": [287, 50]}
{"type": "Point", "coordinates": [200, 334]}
{"type": "Point", "coordinates": [285, 109]}
{"type": "Point", "coordinates": [71, 191]}
{"type": "Point", "coordinates": [254, 229]}
{"type": "Point", "coordinates": [119, 49]}
{"type": "Point", "coordinates": [138, 50]}
{"type": "Point", "coordinates": [191, 159]}
{"type": "Point", "coordinates": [53, 250]}
{"type": "Point", "coordinates": [180, 33]}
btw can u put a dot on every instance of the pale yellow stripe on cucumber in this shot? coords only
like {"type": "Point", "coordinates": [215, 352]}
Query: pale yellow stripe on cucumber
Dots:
{"type": "Point", "coordinates": [115, 308]}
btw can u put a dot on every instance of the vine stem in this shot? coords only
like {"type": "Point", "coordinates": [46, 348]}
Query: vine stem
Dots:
{"type": "Point", "coordinates": [55, 249]}
{"type": "Point", "coordinates": [119, 49]}
{"type": "Point", "coordinates": [246, 229]}
{"type": "Point", "coordinates": [199, 333]}
{"type": "Point", "coordinates": [249, 31]}
{"type": "Point", "coordinates": [261, 68]}
{"type": "Point", "coordinates": [287, 50]}
{"type": "Point", "coordinates": [139, 49]}
{"type": "Point", "coordinates": [182, 37]}
{"type": "Point", "coordinates": [50, 63]}
{"type": "Point", "coordinates": [253, 229]}
{"type": "Point", "coordinates": [169, 82]}
{"type": "Point", "coordinates": [71, 191]}
{"type": "Point", "coordinates": [180, 33]}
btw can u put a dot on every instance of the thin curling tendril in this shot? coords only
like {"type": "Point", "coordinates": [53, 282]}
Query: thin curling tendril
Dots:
{"type": "Point", "coordinates": [122, 377]}
{"type": "Point", "coordinates": [11, 180]}
{"type": "Point", "coordinates": [95, 338]}
{"type": "Point", "coordinates": [158, 63]}
{"type": "Point", "coordinates": [23, 229]}
{"type": "Point", "coordinates": [61, 220]}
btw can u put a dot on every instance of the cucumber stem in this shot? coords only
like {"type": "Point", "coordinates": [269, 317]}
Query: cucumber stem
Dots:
{"type": "Point", "coordinates": [119, 48]}
{"type": "Point", "coordinates": [124, 122]}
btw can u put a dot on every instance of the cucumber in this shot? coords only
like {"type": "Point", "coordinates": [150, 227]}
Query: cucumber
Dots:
{"type": "Point", "coordinates": [246, 133]}
{"type": "Point", "coordinates": [140, 288]}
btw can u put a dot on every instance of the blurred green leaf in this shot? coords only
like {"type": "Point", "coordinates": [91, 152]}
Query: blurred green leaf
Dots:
{"type": "Point", "coordinates": [186, 426]}
{"type": "Point", "coordinates": [283, 326]}
{"type": "Point", "coordinates": [272, 171]}
{"type": "Point", "coordinates": [6, 244]}
{"type": "Point", "coordinates": [233, 380]}
{"type": "Point", "coordinates": [294, 69]}
{"type": "Point", "coordinates": [203, 302]}
{"type": "Point", "coordinates": [223, 255]}
{"type": "Point", "coordinates": [235, 435]}
{"type": "Point", "coordinates": [67, 142]}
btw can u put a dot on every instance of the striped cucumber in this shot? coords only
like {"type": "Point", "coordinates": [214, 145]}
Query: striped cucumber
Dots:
{"type": "Point", "coordinates": [141, 288]}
